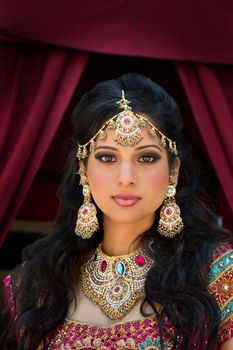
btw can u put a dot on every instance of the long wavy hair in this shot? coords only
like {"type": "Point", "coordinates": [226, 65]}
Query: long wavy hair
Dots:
{"type": "Point", "coordinates": [44, 284]}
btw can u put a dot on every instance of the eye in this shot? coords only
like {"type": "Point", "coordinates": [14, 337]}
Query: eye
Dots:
{"type": "Point", "coordinates": [148, 158]}
{"type": "Point", "coordinates": [106, 158]}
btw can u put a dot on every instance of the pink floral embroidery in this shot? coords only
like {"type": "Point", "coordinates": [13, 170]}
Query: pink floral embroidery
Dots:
{"type": "Point", "coordinates": [141, 334]}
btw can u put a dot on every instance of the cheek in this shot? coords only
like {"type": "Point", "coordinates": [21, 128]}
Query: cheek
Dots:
{"type": "Point", "coordinates": [100, 185]}
{"type": "Point", "coordinates": [98, 180]}
{"type": "Point", "coordinates": [158, 180]}
{"type": "Point", "coordinates": [156, 186]}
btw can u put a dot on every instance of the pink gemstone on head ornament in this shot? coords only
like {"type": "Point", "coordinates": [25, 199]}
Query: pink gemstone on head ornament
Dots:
{"type": "Point", "coordinates": [127, 121]}
{"type": "Point", "coordinates": [128, 132]}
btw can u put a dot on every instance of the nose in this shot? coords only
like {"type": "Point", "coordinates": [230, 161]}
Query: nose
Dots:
{"type": "Point", "coordinates": [127, 174]}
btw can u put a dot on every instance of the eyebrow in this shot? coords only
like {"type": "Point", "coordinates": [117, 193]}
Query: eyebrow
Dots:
{"type": "Point", "coordinates": [146, 146]}
{"type": "Point", "coordinates": [136, 149]}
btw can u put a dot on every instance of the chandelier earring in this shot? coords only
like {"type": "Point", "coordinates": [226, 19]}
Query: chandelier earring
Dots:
{"type": "Point", "coordinates": [170, 223]}
{"type": "Point", "coordinates": [87, 222]}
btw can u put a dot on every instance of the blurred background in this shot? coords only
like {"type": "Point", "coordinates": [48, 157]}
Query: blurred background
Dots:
{"type": "Point", "coordinates": [53, 52]}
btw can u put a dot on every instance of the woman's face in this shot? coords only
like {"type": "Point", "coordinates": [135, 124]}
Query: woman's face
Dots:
{"type": "Point", "coordinates": [128, 184]}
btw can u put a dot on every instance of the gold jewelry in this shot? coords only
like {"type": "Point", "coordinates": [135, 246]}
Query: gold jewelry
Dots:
{"type": "Point", "coordinates": [115, 283]}
{"type": "Point", "coordinates": [87, 222]}
{"type": "Point", "coordinates": [128, 130]}
{"type": "Point", "coordinates": [170, 223]}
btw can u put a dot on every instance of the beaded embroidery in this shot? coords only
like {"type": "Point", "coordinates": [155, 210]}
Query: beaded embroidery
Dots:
{"type": "Point", "coordinates": [221, 287]}
{"type": "Point", "coordinates": [141, 334]}
{"type": "Point", "coordinates": [151, 344]}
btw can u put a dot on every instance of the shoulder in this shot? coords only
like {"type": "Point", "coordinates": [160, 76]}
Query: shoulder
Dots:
{"type": "Point", "coordinates": [221, 288]}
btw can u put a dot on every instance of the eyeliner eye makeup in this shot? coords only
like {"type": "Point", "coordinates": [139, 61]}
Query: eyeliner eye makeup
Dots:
{"type": "Point", "coordinates": [148, 158]}
{"type": "Point", "coordinates": [105, 157]}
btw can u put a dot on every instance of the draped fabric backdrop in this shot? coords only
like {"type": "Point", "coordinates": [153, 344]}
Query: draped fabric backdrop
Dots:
{"type": "Point", "coordinates": [35, 89]}
{"type": "Point", "coordinates": [44, 48]}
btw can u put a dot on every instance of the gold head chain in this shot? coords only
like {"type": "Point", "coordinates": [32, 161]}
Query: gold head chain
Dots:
{"type": "Point", "coordinates": [128, 127]}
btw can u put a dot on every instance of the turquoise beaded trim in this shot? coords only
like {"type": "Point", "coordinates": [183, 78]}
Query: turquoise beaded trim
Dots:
{"type": "Point", "coordinates": [221, 265]}
{"type": "Point", "coordinates": [227, 311]}
{"type": "Point", "coordinates": [152, 344]}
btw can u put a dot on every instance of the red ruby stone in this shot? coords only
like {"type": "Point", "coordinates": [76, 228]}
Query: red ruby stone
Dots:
{"type": "Point", "coordinates": [117, 289]}
{"type": "Point", "coordinates": [222, 297]}
{"type": "Point", "coordinates": [168, 211]}
{"type": "Point", "coordinates": [140, 260]}
{"type": "Point", "coordinates": [103, 265]}
{"type": "Point", "coordinates": [85, 211]}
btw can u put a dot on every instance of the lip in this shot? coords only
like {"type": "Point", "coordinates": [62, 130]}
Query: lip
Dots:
{"type": "Point", "coordinates": [125, 200]}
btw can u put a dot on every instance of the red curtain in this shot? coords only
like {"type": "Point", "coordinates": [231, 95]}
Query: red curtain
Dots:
{"type": "Point", "coordinates": [36, 87]}
{"type": "Point", "coordinates": [194, 30]}
{"type": "Point", "coordinates": [212, 108]}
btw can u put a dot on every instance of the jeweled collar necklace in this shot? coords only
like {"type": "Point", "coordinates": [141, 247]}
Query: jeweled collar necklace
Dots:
{"type": "Point", "coordinates": [115, 283]}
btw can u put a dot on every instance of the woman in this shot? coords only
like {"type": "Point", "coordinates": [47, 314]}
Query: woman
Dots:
{"type": "Point", "coordinates": [144, 264]}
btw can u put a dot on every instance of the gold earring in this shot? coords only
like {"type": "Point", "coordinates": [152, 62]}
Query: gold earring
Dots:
{"type": "Point", "coordinates": [87, 222]}
{"type": "Point", "coordinates": [170, 223]}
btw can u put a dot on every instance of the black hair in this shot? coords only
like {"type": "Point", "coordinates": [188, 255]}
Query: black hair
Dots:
{"type": "Point", "coordinates": [44, 285]}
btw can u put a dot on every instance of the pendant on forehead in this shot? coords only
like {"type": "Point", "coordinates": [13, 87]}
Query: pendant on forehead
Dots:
{"type": "Point", "coordinates": [128, 130]}
{"type": "Point", "coordinates": [127, 126]}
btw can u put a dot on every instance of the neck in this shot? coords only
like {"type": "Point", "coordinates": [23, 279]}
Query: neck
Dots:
{"type": "Point", "coordinates": [120, 238]}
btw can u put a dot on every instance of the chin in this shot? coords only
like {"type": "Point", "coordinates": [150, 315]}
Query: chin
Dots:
{"type": "Point", "coordinates": [127, 218]}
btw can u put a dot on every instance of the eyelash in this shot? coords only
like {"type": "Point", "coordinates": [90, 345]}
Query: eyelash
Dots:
{"type": "Point", "coordinates": [102, 156]}
{"type": "Point", "coordinates": [153, 158]}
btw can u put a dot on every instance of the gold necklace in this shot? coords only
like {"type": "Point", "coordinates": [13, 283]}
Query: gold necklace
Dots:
{"type": "Point", "coordinates": [115, 283]}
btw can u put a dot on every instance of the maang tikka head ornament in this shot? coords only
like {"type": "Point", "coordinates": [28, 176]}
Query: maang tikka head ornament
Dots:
{"type": "Point", "coordinates": [128, 127]}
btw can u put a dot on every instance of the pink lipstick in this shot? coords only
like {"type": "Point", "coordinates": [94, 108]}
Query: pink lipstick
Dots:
{"type": "Point", "coordinates": [126, 200]}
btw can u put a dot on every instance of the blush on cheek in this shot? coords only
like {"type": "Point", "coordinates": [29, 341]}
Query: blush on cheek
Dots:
{"type": "Point", "coordinates": [156, 188]}
{"type": "Point", "coordinates": [158, 180]}
{"type": "Point", "coordinates": [98, 180]}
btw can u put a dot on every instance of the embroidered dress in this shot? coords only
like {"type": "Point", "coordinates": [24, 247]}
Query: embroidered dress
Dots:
{"type": "Point", "coordinates": [143, 334]}
{"type": "Point", "coordinates": [221, 288]}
